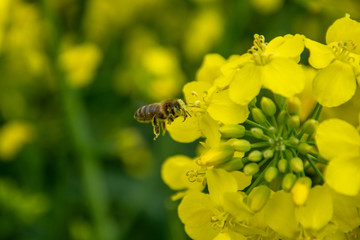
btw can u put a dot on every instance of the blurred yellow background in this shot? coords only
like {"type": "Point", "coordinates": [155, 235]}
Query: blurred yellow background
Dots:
{"type": "Point", "coordinates": [74, 164]}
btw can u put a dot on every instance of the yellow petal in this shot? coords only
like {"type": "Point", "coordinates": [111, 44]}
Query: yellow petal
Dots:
{"type": "Point", "coordinates": [210, 68]}
{"type": "Point", "coordinates": [235, 205]}
{"type": "Point", "coordinates": [320, 55]}
{"type": "Point", "coordinates": [195, 91]}
{"type": "Point", "coordinates": [185, 131]}
{"type": "Point", "coordinates": [283, 76]}
{"type": "Point", "coordinates": [289, 46]}
{"type": "Point", "coordinates": [335, 137]}
{"type": "Point", "coordinates": [280, 216]}
{"type": "Point", "coordinates": [173, 173]}
{"type": "Point", "coordinates": [242, 180]}
{"type": "Point", "coordinates": [317, 211]}
{"type": "Point", "coordinates": [342, 174]}
{"type": "Point", "coordinates": [335, 84]}
{"type": "Point", "coordinates": [220, 181]}
{"type": "Point", "coordinates": [246, 84]}
{"type": "Point", "coordinates": [344, 29]}
{"type": "Point", "coordinates": [226, 111]}
{"type": "Point", "coordinates": [346, 216]}
{"type": "Point", "coordinates": [195, 211]}
{"type": "Point", "coordinates": [210, 130]}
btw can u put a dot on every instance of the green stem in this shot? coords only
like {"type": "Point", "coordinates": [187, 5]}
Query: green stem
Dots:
{"type": "Point", "coordinates": [260, 144]}
{"type": "Point", "coordinates": [318, 112]}
{"type": "Point", "coordinates": [256, 125]}
{"type": "Point", "coordinates": [83, 144]}
{"type": "Point", "coordinates": [313, 165]}
{"type": "Point", "coordinates": [314, 110]}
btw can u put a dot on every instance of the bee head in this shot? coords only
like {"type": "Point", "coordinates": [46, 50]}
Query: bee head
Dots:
{"type": "Point", "coordinates": [181, 108]}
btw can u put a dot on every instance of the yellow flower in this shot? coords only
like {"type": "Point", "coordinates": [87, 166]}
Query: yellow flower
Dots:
{"type": "Point", "coordinates": [218, 214]}
{"type": "Point", "coordinates": [80, 64]}
{"type": "Point", "coordinates": [338, 62]}
{"type": "Point", "coordinates": [207, 104]}
{"type": "Point", "coordinates": [272, 66]}
{"type": "Point", "coordinates": [283, 216]}
{"type": "Point", "coordinates": [339, 142]}
{"type": "Point", "coordinates": [13, 136]}
{"type": "Point", "coordinates": [181, 173]}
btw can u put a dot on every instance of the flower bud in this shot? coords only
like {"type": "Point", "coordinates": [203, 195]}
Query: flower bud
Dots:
{"type": "Point", "coordinates": [300, 190]}
{"type": "Point", "coordinates": [251, 169]}
{"type": "Point", "coordinates": [258, 198]}
{"type": "Point", "coordinates": [255, 156]}
{"type": "Point", "coordinates": [268, 153]}
{"type": "Point", "coordinates": [294, 121]}
{"type": "Point", "coordinates": [293, 141]}
{"type": "Point", "coordinates": [216, 155]}
{"type": "Point", "coordinates": [268, 106]}
{"type": "Point", "coordinates": [304, 148]}
{"type": "Point", "coordinates": [296, 164]}
{"type": "Point", "coordinates": [282, 117]}
{"type": "Point", "coordinates": [293, 106]}
{"type": "Point", "coordinates": [232, 131]}
{"type": "Point", "coordinates": [240, 145]}
{"type": "Point", "coordinates": [258, 116]}
{"type": "Point", "coordinates": [310, 126]}
{"type": "Point", "coordinates": [257, 132]}
{"type": "Point", "coordinates": [271, 173]}
{"type": "Point", "coordinates": [282, 165]}
{"type": "Point", "coordinates": [288, 181]}
{"type": "Point", "coordinates": [236, 163]}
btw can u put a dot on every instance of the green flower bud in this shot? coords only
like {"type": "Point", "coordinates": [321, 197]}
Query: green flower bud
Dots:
{"type": "Point", "coordinates": [282, 165]}
{"type": "Point", "coordinates": [296, 164]}
{"type": "Point", "coordinates": [240, 145]}
{"type": "Point", "coordinates": [258, 116]}
{"type": "Point", "coordinates": [232, 131]}
{"type": "Point", "coordinates": [282, 117]}
{"type": "Point", "coordinates": [294, 121]}
{"type": "Point", "coordinates": [293, 141]}
{"type": "Point", "coordinates": [255, 156]}
{"type": "Point", "coordinates": [268, 106]}
{"type": "Point", "coordinates": [216, 155]}
{"type": "Point", "coordinates": [293, 106]}
{"type": "Point", "coordinates": [304, 148]}
{"type": "Point", "coordinates": [234, 164]}
{"type": "Point", "coordinates": [257, 132]}
{"type": "Point", "coordinates": [288, 181]}
{"type": "Point", "coordinates": [271, 173]}
{"type": "Point", "coordinates": [251, 169]}
{"type": "Point", "coordinates": [310, 126]}
{"type": "Point", "coordinates": [258, 198]}
{"type": "Point", "coordinates": [272, 130]}
{"type": "Point", "coordinates": [268, 153]}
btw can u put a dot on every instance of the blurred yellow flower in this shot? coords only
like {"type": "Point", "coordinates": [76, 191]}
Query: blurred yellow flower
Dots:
{"type": "Point", "coordinates": [267, 6]}
{"type": "Point", "coordinates": [80, 64]}
{"type": "Point", "coordinates": [13, 136]}
{"type": "Point", "coordinates": [204, 32]}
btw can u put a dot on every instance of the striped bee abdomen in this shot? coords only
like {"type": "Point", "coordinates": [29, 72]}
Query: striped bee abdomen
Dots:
{"type": "Point", "coordinates": [146, 113]}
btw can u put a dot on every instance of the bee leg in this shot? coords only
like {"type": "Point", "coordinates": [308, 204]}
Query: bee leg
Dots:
{"type": "Point", "coordinates": [156, 127]}
{"type": "Point", "coordinates": [163, 125]}
{"type": "Point", "coordinates": [170, 118]}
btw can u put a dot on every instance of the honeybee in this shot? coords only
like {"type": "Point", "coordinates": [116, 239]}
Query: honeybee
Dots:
{"type": "Point", "coordinates": [157, 113]}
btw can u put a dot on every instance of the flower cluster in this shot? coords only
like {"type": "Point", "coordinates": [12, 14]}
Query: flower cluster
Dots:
{"type": "Point", "coordinates": [265, 171]}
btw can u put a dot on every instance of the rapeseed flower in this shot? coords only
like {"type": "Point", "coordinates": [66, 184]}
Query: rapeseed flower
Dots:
{"type": "Point", "coordinates": [338, 62]}
{"type": "Point", "coordinates": [270, 65]}
{"type": "Point", "coordinates": [339, 142]}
